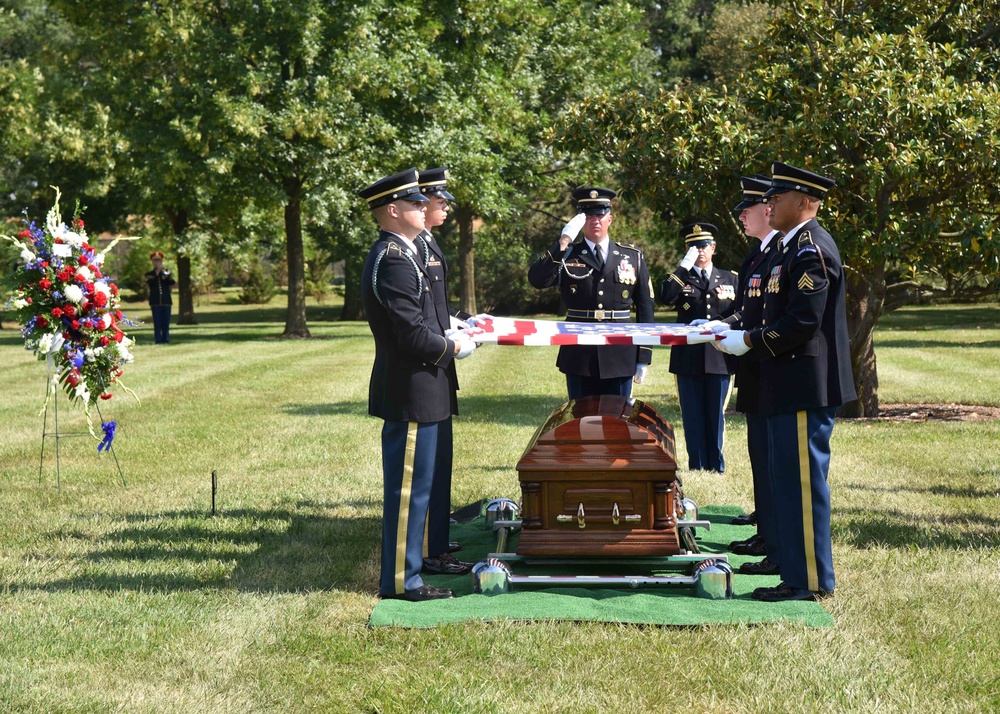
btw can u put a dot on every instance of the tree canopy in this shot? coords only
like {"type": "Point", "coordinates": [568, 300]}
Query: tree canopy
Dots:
{"type": "Point", "coordinates": [897, 103]}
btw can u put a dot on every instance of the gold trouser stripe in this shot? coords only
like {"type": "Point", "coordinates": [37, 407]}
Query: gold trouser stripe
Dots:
{"type": "Point", "coordinates": [812, 575]}
{"type": "Point", "coordinates": [404, 507]}
{"type": "Point", "coordinates": [427, 533]}
{"type": "Point", "coordinates": [725, 405]}
{"type": "Point", "coordinates": [677, 389]}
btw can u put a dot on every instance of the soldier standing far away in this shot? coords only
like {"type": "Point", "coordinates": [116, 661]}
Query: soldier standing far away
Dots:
{"type": "Point", "coordinates": [599, 281]}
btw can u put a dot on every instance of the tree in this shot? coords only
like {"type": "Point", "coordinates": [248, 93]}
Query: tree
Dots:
{"type": "Point", "coordinates": [899, 104]}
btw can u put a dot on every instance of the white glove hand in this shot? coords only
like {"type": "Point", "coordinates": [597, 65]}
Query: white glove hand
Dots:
{"type": "Point", "coordinates": [465, 347]}
{"type": "Point", "coordinates": [572, 229]}
{"type": "Point", "coordinates": [640, 372]}
{"type": "Point", "coordinates": [716, 326]}
{"type": "Point", "coordinates": [455, 324]}
{"type": "Point", "coordinates": [699, 321]}
{"type": "Point", "coordinates": [733, 343]}
{"type": "Point", "coordinates": [687, 262]}
{"type": "Point", "coordinates": [479, 320]}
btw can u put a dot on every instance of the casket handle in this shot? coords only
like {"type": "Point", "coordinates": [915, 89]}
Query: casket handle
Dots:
{"type": "Point", "coordinates": [616, 515]}
{"type": "Point", "coordinates": [581, 516]}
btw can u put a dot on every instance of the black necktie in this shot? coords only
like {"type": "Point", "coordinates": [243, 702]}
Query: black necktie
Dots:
{"type": "Point", "coordinates": [600, 256]}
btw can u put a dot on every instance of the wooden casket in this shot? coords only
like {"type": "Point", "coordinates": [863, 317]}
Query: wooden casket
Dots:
{"type": "Point", "coordinates": [600, 478]}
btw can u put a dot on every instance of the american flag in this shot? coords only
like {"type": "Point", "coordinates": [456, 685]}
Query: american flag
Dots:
{"type": "Point", "coordinates": [511, 331]}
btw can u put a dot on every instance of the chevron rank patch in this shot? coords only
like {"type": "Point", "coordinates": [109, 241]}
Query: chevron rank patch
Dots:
{"type": "Point", "coordinates": [806, 282]}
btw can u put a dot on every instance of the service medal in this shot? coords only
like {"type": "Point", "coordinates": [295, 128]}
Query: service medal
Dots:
{"type": "Point", "coordinates": [626, 272]}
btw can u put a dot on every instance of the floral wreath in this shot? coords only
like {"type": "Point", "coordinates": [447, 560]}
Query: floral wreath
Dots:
{"type": "Point", "coordinates": [68, 310]}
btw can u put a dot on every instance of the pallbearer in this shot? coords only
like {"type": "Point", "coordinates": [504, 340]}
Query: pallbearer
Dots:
{"type": "Point", "coordinates": [805, 374]}
{"type": "Point", "coordinates": [410, 387]}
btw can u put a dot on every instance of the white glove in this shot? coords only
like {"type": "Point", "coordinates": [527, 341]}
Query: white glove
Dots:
{"type": "Point", "coordinates": [455, 324]}
{"type": "Point", "coordinates": [732, 343]}
{"type": "Point", "coordinates": [640, 372]}
{"type": "Point", "coordinates": [687, 262]}
{"type": "Point", "coordinates": [717, 326]}
{"type": "Point", "coordinates": [479, 320]}
{"type": "Point", "coordinates": [466, 346]}
{"type": "Point", "coordinates": [572, 229]}
{"type": "Point", "coordinates": [699, 321]}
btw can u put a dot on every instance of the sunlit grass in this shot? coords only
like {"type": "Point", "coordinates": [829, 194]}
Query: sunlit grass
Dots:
{"type": "Point", "coordinates": [138, 599]}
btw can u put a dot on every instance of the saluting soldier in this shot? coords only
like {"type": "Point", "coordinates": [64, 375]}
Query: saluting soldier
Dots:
{"type": "Point", "coordinates": [700, 291]}
{"type": "Point", "coordinates": [748, 309]}
{"type": "Point", "coordinates": [437, 544]}
{"type": "Point", "coordinates": [600, 281]}
{"type": "Point", "coordinates": [410, 387]}
{"type": "Point", "coordinates": [805, 374]}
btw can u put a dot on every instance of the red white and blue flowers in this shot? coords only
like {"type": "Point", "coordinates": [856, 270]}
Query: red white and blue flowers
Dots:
{"type": "Point", "coordinates": [69, 310]}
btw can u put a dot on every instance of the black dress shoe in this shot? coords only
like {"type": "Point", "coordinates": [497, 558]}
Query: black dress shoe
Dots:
{"type": "Point", "coordinates": [755, 546]}
{"type": "Point", "coordinates": [445, 564]}
{"type": "Point", "coordinates": [424, 592]}
{"type": "Point", "coordinates": [762, 567]}
{"type": "Point", "coordinates": [453, 547]}
{"type": "Point", "coordinates": [786, 593]}
{"type": "Point", "coordinates": [747, 519]}
{"type": "Point", "coordinates": [746, 541]}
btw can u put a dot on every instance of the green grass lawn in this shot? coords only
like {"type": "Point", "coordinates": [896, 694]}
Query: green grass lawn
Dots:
{"type": "Point", "coordinates": [137, 599]}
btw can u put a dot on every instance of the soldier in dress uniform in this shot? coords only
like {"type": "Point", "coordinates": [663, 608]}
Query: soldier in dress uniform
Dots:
{"type": "Point", "coordinates": [753, 214]}
{"type": "Point", "coordinates": [437, 545]}
{"type": "Point", "coordinates": [805, 374]}
{"type": "Point", "coordinates": [410, 387]}
{"type": "Point", "coordinates": [699, 290]}
{"type": "Point", "coordinates": [599, 281]}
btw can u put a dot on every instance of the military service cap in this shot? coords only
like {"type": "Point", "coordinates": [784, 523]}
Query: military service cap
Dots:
{"type": "Point", "coordinates": [696, 235]}
{"type": "Point", "coordinates": [403, 186]}
{"type": "Point", "coordinates": [788, 178]}
{"type": "Point", "coordinates": [593, 201]}
{"type": "Point", "coordinates": [433, 182]}
{"type": "Point", "coordinates": [754, 188]}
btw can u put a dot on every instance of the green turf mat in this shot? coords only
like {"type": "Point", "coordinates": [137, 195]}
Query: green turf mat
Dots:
{"type": "Point", "coordinates": [656, 606]}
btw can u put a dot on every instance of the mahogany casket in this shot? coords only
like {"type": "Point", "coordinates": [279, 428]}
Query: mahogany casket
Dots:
{"type": "Point", "coordinates": [600, 478]}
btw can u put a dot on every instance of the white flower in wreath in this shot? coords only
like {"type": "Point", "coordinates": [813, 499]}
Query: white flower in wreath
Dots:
{"type": "Point", "coordinates": [67, 236]}
{"type": "Point", "coordinates": [88, 354]}
{"type": "Point", "coordinates": [73, 293]}
{"type": "Point", "coordinates": [123, 354]}
{"type": "Point", "coordinates": [26, 255]}
{"type": "Point", "coordinates": [106, 321]}
{"type": "Point", "coordinates": [82, 391]}
{"type": "Point", "coordinates": [103, 288]}
{"type": "Point", "coordinates": [45, 343]}
{"type": "Point", "coordinates": [19, 303]}
{"type": "Point", "coordinates": [84, 272]}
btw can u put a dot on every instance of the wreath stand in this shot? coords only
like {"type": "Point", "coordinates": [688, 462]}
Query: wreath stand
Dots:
{"type": "Point", "coordinates": [51, 384]}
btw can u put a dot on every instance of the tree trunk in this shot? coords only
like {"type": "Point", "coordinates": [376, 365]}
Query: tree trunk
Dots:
{"type": "Point", "coordinates": [185, 293]}
{"type": "Point", "coordinates": [466, 260]}
{"type": "Point", "coordinates": [353, 308]}
{"type": "Point", "coordinates": [295, 317]}
{"type": "Point", "coordinates": [865, 302]}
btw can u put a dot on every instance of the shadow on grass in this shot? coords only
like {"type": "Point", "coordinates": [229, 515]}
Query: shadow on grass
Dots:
{"type": "Point", "coordinates": [936, 489]}
{"type": "Point", "coordinates": [910, 343]}
{"type": "Point", "coordinates": [277, 550]}
{"type": "Point", "coordinates": [514, 410]}
{"type": "Point", "coordinates": [863, 529]}
{"type": "Point", "coordinates": [943, 318]}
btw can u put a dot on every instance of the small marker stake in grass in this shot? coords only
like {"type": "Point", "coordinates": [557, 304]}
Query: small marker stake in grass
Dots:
{"type": "Point", "coordinates": [215, 487]}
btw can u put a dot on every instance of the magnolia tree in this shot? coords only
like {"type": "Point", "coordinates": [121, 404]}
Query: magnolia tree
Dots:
{"type": "Point", "coordinates": [897, 102]}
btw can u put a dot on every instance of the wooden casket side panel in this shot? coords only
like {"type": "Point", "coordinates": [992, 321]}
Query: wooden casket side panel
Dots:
{"type": "Point", "coordinates": [599, 478]}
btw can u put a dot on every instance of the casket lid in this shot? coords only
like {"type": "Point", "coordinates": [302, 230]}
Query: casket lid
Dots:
{"type": "Point", "coordinates": [601, 432]}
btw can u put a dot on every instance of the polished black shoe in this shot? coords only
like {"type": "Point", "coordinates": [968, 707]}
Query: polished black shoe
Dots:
{"type": "Point", "coordinates": [453, 546]}
{"type": "Point", "coordinates": [786, 593]}
{"type": "Point", "coordinates": [753, 546]}
{"type": "Point", "coordinates": [445, 564]}
{"type": "Point", "coordinates": [762, 567]}
{"type": "Point", "coordinates": [746, 541]}
{"type": "Point", "coordinates": [421, 594]}
{"type": "Point", "coordinates": [747, 519]}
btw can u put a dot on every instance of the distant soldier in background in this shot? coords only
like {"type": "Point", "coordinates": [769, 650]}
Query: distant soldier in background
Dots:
{"type": "Point", "coordinates": [160, 281]}
{"type": "Point", "coordinates": [700, 291]}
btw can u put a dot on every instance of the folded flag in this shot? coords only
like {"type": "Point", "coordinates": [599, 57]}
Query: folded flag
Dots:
{"type": "Point", "coordinates": [511, 331]}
